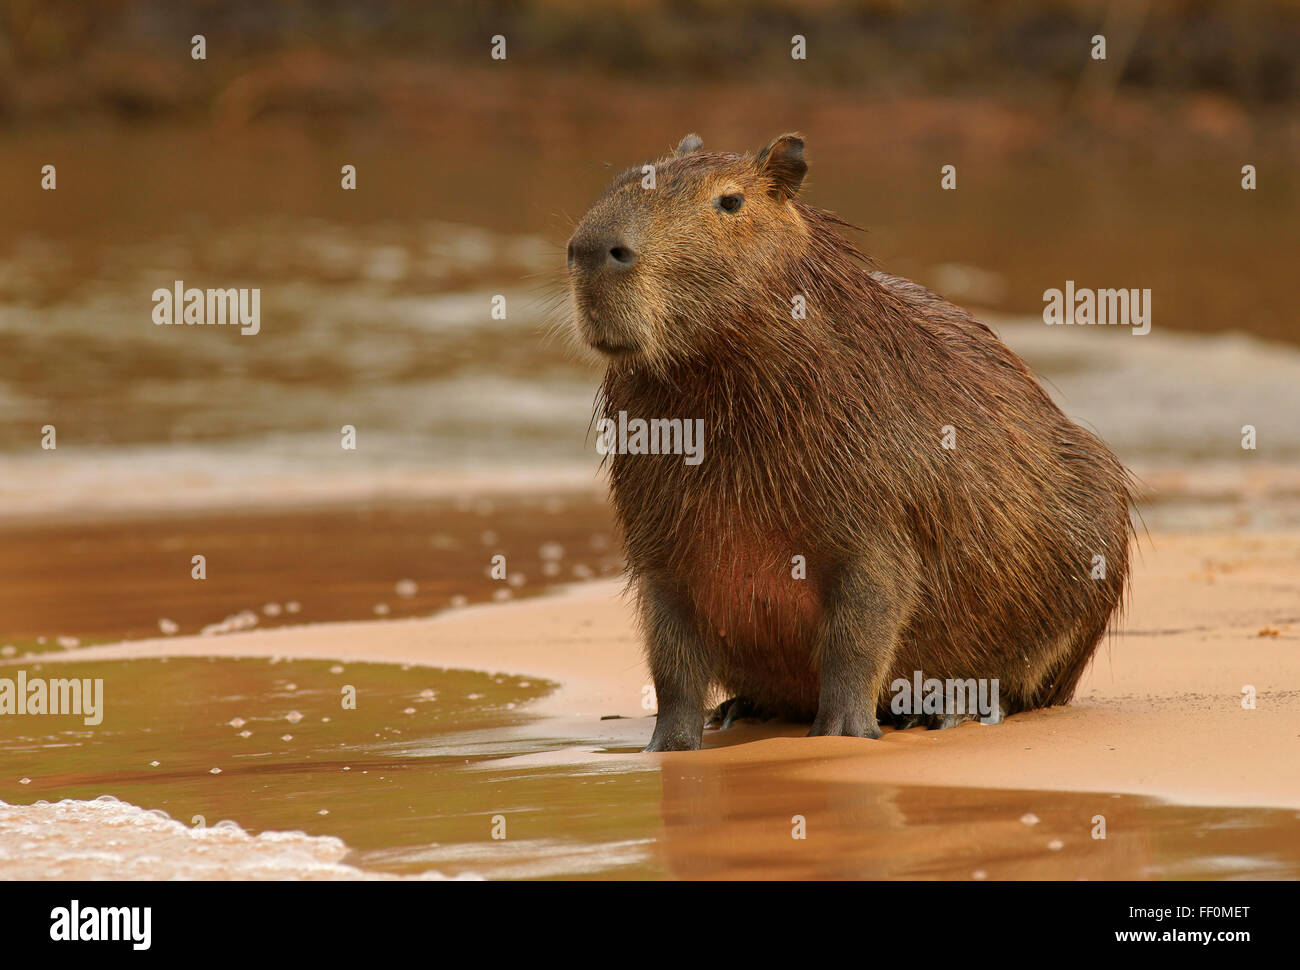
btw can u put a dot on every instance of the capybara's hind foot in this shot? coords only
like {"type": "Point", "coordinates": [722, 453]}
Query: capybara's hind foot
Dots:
{"type": "Point", "coordinates": [905, 722]}
{"type": "Point", "coordinates": [735, 709]}
{"type": "Point", "coordinates": [941, 722]}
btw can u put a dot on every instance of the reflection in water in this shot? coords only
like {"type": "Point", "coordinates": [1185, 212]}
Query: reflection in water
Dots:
{"type": "Point", "coordinates": [735, 819]}
{"type": "Point", "coordinates": [428, 768]}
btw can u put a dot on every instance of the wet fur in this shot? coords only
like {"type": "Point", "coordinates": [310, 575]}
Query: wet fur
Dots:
{"type": "Point", "coordinates": [823, 439]}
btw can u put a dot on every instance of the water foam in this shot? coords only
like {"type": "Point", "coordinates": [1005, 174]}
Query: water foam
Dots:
{"type": "Point", "coordinates": [111, 839]}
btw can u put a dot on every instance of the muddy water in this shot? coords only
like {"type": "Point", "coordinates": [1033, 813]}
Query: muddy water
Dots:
{"type": "Point", "coordinates": [377, 304]}
{"type": "Point", "coordinates": [79, 582]}
{"type": "Point", "coordinates": [432, 764]}
{"type": "Point", "coordinates": [738, 820]}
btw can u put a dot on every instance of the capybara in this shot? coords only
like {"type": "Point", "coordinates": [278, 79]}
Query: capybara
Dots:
{"type": "Point", "coordinates": [883, 488]}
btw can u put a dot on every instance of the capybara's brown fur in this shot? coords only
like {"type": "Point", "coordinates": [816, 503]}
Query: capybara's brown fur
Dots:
{"type": "Point", "coordinates": [950, 519]}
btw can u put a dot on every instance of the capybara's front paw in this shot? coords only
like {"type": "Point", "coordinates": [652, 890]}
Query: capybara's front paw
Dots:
{"type": "Point", "coordinates": [672, 741]}
{"type": "Point", "coordinates": [845, 724]}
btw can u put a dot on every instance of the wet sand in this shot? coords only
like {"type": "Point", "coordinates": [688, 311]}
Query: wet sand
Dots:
{"type": "Point", "coordinates": [1189, 782]}
{"type": "Point", "coordinates": [1158, 713]}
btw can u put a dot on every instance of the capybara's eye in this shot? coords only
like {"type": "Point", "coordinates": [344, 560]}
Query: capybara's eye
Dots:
{"type": "Point", "coordinates": [730, 203]}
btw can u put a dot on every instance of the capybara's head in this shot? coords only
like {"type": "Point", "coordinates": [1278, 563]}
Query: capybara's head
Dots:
{"type": "Point", "coordinates": [672, 249]}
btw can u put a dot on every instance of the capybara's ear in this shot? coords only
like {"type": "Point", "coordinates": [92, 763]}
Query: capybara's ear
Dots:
{"type": "Point", "coordinates": [782, 161]}
{"type": "Point", "coordinates": [691, 143]}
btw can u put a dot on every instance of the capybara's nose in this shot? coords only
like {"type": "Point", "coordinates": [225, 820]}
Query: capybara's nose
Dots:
{"type": "Point", "coordinates": [595, 253]}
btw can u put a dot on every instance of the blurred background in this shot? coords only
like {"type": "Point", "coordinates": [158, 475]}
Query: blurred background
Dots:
{"type": "Point", "coordinates": [376, 303]}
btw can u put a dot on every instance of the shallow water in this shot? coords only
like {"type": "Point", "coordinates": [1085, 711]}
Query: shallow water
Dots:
{"type": "Point", "coordinates": [80, 582]}
{"type": "Point", "coordinates": [433, 763]}
{"type": "Point", "coordinates": [377, 304]}
{"type": "Point", "coordinates": [271, 746]}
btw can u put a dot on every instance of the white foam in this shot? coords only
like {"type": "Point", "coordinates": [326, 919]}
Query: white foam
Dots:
{"type": "Point", "coordinates": [110, 839]}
